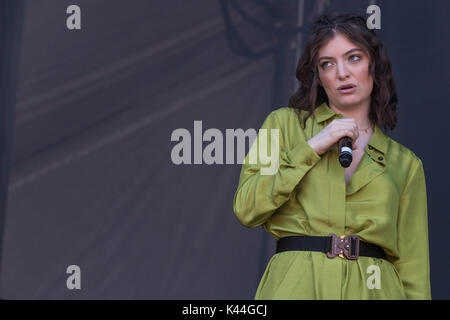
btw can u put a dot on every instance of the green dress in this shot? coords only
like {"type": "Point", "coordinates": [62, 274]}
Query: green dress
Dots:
{"type": "Point", "coordinates": [384, 202]}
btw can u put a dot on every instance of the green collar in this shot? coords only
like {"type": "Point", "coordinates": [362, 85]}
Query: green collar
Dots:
{"type": "Point", "coordinates": [379, 140]}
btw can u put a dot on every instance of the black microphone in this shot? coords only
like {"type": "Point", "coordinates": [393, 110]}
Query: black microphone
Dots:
{"type": "Point", "coordinates": [345, 151]}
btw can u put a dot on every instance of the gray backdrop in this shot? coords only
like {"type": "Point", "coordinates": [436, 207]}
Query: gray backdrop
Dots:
{"type": "Point", "coordinates": [87, 143]}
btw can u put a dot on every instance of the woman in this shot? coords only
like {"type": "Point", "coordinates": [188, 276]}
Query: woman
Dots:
{"type": "Point", "coordinates": [359, 232]}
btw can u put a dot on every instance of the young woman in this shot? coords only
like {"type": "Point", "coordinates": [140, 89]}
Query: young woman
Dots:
{"type": "Point", "coordinates": [359, 232]}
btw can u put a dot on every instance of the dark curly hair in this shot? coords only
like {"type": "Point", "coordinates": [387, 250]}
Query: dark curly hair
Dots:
{"type": "Point", "coordinates": [310, 94]}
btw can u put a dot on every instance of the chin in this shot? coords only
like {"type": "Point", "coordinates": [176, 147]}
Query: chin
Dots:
{"type": "Point", "coordinates": [349, 99]}
{"type": "Point", "coordinates": [353, 99]}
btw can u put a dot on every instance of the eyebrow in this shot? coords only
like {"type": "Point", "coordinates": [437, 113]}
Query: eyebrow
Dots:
{"type": "Point", "coordinates": [349, 51]}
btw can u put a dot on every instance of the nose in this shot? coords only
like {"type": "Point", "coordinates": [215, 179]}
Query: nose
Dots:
{"type": "Point", "coordinates": [341, 70]}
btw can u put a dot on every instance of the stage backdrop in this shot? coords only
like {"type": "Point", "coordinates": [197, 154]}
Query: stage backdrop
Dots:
{"type": "Point", "coordinates": [94, 189]}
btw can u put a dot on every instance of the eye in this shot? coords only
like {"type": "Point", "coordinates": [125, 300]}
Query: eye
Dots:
{"type": "Point", "coordinates": [355, 55]}
{"type": "Point", "coordinates": [323, 64]}
{"type": "Point", "coordinates": [358, 57]}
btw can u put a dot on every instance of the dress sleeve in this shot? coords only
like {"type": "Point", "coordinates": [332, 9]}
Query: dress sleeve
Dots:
{"type": "Point", "coordinates": [261, 190]}
{"type": "Point", "coordinates": [412, 226]}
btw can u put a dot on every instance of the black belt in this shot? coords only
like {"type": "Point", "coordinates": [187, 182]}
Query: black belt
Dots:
{"type": "Point", "coordinates": [349, 246]}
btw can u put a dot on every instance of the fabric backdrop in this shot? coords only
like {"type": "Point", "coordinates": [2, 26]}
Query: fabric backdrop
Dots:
{"type": "Point", "coordinates": [92, 182]}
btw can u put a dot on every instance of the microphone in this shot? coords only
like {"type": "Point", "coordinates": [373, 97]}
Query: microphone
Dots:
{"type": "Point", "coordinates": [345, 151]}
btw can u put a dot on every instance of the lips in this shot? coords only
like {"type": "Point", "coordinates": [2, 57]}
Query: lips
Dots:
{"type": "Point", "coordinates": [346, 89]}
{"type": "Point", "coordinates": [347, 86]}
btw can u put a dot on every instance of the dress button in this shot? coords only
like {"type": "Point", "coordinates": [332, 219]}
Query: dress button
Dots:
{"type": "Point", "coordinates": [308, 162]}
{"type": "Point", "coordinates": [380, 158]}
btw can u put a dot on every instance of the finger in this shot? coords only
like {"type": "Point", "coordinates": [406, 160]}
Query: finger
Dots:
{"type": "Point", "coordinates": [347, 120]}
{"type": "Point", "coordinates": [349, 133]}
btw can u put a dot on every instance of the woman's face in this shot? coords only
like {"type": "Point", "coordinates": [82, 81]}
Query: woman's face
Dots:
{"type": "Point", "coordinates": [342, 62]}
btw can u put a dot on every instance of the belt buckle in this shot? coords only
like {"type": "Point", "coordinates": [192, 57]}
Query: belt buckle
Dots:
{"type": "Point", "coordinates": [347, 246]}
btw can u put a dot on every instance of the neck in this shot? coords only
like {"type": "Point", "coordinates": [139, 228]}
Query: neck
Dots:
{"type": "Point", "coordinates": [359, 112]}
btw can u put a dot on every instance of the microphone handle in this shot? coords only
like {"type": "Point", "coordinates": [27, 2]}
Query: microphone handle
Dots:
{"type": "Point", "coordinates": [345, 151]}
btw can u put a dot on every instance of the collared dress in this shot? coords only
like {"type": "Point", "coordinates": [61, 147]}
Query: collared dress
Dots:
{"type": "Point", "coordinates": [384, 202]}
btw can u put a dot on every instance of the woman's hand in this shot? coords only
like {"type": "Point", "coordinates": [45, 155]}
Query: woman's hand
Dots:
{"type": "Point", "coordinates": [331, 134]}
